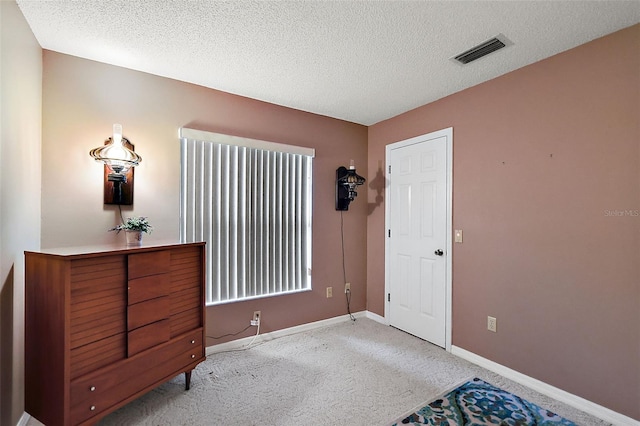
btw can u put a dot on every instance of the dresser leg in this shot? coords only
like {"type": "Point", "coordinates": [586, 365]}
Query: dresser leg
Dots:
{"type": "Point", "coordinates": [187, 380]}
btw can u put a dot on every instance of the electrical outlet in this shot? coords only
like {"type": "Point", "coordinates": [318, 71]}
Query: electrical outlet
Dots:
{"type": "Point", "coordinates": [492, 324]}
{"type": "Point", "coordinates": [347, 287]}
{"type": "Point", "coordinates": [256, 318]}
{"type": "Point", "coordinates": [329, 292]}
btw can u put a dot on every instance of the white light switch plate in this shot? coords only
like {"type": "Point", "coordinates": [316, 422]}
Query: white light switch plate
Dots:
{"type": "Point", "coordinates": [458, 235]}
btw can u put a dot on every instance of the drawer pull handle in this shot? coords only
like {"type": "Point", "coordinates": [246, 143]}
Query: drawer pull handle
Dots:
{"type": "Point", "coordinates": [92, 388]}
{"type": "Point", "coordinates": [193, 342]}
{"type": "Point", "coordinates": [93, 408]}
{"type": "Point", "coordinates": [193, 356]}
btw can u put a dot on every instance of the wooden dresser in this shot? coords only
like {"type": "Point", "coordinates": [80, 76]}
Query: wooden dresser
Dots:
{"type": "Point", "coordinates": [105, 325]}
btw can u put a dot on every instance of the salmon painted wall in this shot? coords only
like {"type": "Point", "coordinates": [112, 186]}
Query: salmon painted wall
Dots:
{"type": "Point", "coordinates": [546, 187]}
{"type": "Point", "coordinates": [81, 101]}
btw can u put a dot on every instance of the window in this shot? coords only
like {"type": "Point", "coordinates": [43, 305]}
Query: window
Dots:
{"type": "Point", "coordinates": [250, 201]}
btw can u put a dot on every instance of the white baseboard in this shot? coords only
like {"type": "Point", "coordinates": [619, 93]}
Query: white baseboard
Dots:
{"type": "Point", "coordinates": [376, 318]}
{"type": "Point", "coordinates": [241, 343]}
{"type": "Point", "coordinates": [24, 419]}
{"type": "Point", "coordinates": [563, 396]}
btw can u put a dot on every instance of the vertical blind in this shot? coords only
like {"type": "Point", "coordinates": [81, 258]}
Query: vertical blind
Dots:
{"type": "Point", "coordinates": [251, 202]}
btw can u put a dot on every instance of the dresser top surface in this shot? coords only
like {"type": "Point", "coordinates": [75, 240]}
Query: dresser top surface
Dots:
{"type": "Point", "coordinates": [115, 248]}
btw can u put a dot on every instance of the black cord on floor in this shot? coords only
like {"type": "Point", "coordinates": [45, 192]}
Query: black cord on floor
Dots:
{"type": "Point", "coordinates": [230, 334]}
{"type": "Point", "coordinates": [344, 269]}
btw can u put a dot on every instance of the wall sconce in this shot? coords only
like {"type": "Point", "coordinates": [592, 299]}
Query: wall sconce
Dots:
{"type": "Point", "coordinates": [346, 182]}
{"type": "Point", "coordinates": [119, 160]}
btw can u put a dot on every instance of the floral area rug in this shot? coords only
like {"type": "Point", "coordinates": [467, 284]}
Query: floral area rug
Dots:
{"type": "Point", "coordinates": [479, 403]}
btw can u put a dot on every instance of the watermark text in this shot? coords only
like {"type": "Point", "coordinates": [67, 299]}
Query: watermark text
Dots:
{"type": "Point", "coordinates": [622, 213]}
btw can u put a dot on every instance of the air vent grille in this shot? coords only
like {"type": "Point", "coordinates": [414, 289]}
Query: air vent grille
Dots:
{"type": "Point", "coordinates": [483, 49]}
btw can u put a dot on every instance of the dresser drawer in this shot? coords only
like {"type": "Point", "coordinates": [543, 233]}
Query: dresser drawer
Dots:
{"type": "Point", "coordinates": [148, 336]}
{"type": "Point", "coordinates": [141, 289]}
{"type": "Point", "coordinates": [109, 386]}
{"type": "Point", "coordinates": [151, 263]}
{"type": "Point", "coordinates": [148, 312]}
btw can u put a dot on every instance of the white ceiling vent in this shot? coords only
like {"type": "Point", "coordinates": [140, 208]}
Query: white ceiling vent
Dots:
{"type": "Point", "coordinates": [483, 49]}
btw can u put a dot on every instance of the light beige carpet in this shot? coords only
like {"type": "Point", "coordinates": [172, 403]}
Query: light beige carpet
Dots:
{"type": "Point", "coordinates": [361, 373]}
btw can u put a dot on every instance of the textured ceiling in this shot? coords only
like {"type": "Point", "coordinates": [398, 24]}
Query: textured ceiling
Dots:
{"type": "Point", "coordinates": [360, 61]}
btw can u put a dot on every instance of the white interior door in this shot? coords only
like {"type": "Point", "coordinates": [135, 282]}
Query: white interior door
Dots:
{"type": "Point", "coordinates": [417, 236]}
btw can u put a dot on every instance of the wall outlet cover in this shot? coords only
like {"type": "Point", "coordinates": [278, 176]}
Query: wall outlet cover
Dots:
{"type": "Point", "coordinates": [492, 324]}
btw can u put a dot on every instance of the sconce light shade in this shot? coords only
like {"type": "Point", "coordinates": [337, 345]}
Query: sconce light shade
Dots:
{"type": "Point", "coordinates": [115, 153]}
{"type": "Point", "coordinates": [119, 159]}
{"type": "Point", "coordinates": [346, 182]}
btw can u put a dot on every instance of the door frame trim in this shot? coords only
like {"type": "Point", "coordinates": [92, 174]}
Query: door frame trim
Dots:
{"type": "Point", "coordinates": [448, 134]}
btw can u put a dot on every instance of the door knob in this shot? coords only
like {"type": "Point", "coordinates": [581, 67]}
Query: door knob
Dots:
{"type": "Point", "coordinates": [439, 252]}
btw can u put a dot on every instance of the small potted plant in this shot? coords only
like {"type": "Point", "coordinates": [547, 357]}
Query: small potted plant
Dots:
{"type": "Point", "coordinates": [133, 228]}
